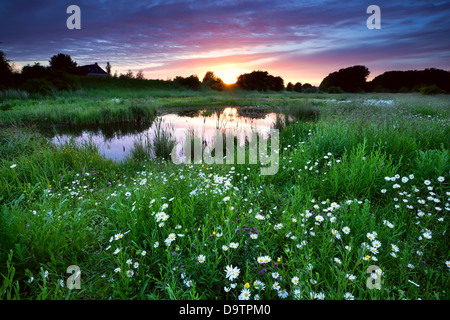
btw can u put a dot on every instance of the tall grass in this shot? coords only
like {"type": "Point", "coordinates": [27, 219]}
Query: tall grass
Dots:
{"type": "Point", "coordinates": [356, 178]}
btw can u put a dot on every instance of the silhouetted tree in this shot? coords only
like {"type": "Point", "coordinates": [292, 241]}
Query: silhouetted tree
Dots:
{"type": "Point", "coordinates": [108, 68]}
{"type": "Point", "coordinates": [298, 87]}
{"type": "Point", "coordinates": [128, 75]}
{"type": "Point", "coordinates": [35, 71]}
{"type": "Point", "coordinates": [6, 70]}
{"type": "Point", "coordinates": [212, 81]}
{"type": "Point", "coordinates": [276, 83]}
{"type": "Point", "coordinates": [260, 81]}
{"type": "Point", "coordinates": [192, 82]}
{"type": "Point", "coordinates": [62, 62]}
{"type": "Point", "coordinates": [140, 75]}
{"type": "Point", "coordinates": [411, 80]}
{"type": "Point", "coordinates": [351, 79]}
{"type": "Point", "coordinates": [289, 87]}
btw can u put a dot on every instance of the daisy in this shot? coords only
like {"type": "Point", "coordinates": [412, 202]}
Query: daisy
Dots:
{"type": "Point", "coordinates": [441, 179]}
{"type": "Point", "coordinates": [337, 260]}
{"type": "Point", "coordinates": [319, 218]}
{"type": "Point", "coordinates": [370, 236]}
{"type": "Point", "coordinates": [276, 286]}
{"type": "Point", "coordinates": [201, 258]}
{"type": "Point", "coordinates": [130, 273]}
{"type": "Point", "coordinates": [232, 273]}
{"type": "Point", "coordinates": [297, 293]}
{"type": "Point", "coordinates": [259, 285]}
{"type": "Point", "coordinates": [376, 244]}
{"type": "Point", "coordinates": [13, 166]}
{"type": "Point", "coordinates": [346, 230]}
{"type": "Point", "coordinates": [294, 280]}
{"type": "Point", "coordinates": [320, 296]}
{"type": "Point", "coordinates": [234, 245]}
{"type": "Point", "coordinates": [351, 277]}
{"type": "Point", "coordinates": [117, 251]}
{"type": "Point", "coordinates": [282, 293]}
{"type": "Point", "coordinates": [348, 296]}
{"type": "Point", "coordinates": [245, 294]}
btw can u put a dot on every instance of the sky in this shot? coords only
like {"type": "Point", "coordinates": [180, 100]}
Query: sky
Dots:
{"type": "Point", "coordinates": [301, 41]}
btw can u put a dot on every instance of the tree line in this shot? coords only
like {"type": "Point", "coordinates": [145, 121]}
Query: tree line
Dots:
{"type": "Point", "coordinates": [62, 68]}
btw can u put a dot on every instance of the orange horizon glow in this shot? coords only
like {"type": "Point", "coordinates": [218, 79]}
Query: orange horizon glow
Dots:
{"type": "Point", "coordinates": [229, 76]}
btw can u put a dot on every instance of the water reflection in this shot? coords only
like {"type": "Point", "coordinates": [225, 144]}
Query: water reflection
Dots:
{"type": "Point", "coordinates": [116, 141]}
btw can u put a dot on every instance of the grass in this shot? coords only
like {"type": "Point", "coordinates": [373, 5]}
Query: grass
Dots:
{"type": "Point", "coordinates": [359, 184]}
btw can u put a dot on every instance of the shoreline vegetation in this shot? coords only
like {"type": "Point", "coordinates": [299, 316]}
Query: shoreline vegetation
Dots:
{"type": "Point", "coordinates": [363, 180]}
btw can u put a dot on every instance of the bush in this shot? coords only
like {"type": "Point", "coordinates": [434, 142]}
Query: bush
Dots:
{"type": "Point", "coordinates": [39, 86]}
{"type": "Point", "coordinates": [430, 90]}
{"type": "Point", "coordinates": [334, 89]}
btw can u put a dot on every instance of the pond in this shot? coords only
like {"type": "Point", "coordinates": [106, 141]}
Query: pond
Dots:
{"type": "Point", "coordinates": [115, 141]}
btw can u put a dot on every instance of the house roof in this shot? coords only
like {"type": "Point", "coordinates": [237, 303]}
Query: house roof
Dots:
{"type": "Point", "coordinates": [92, 69]}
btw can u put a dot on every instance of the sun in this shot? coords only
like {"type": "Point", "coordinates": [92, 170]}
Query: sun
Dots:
{"type": "Point", "coordinates": [229, 76]}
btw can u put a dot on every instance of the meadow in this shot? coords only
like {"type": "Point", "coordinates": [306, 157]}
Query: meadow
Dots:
{"type": "Point", "coordinates": [363, 181]}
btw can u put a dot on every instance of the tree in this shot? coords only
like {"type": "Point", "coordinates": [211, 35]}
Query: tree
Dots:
{"type": "Point", "coordinates": [260, 81]}
{"type": "Point", "coordinates": [35, 71]}
{"type": "Point", "coordinates": [212, 81]}
{"type": "Point", "coordinates": [289, 87]}
{"type": "Point", "coordinates": [298, 87]}
{"type": "Point", "coordinates": [351, 79]}
{"type": "Point", "coordinates": [62, 62]}
{"type": "Point", "coordinates": [276, 83]}
{"type": "Point", "coordinates": [128, 75]}
{"type": "Point", "coordinates": [140, 75]}
{"type": "Point", "coordinates": [108, 68]}
{"type": "Point", "coordinates": [192, 82]}
{"type": "Point", "coordinates": [6, 69]}
{"type": "Point", "coordinates": [412, 80]}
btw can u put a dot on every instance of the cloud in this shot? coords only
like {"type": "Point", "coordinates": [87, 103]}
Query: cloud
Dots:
{"type": "Point", "coordinates": [293, 39]}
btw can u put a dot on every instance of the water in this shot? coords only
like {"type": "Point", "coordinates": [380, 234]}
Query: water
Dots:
{"type": "Point", "coordinates": [117, 140]}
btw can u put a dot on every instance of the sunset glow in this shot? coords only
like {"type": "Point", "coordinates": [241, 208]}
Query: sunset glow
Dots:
{"type": "Point", "coordinates": [298, 40]}
{"type": "Point", "coordinates": [229, 76]}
